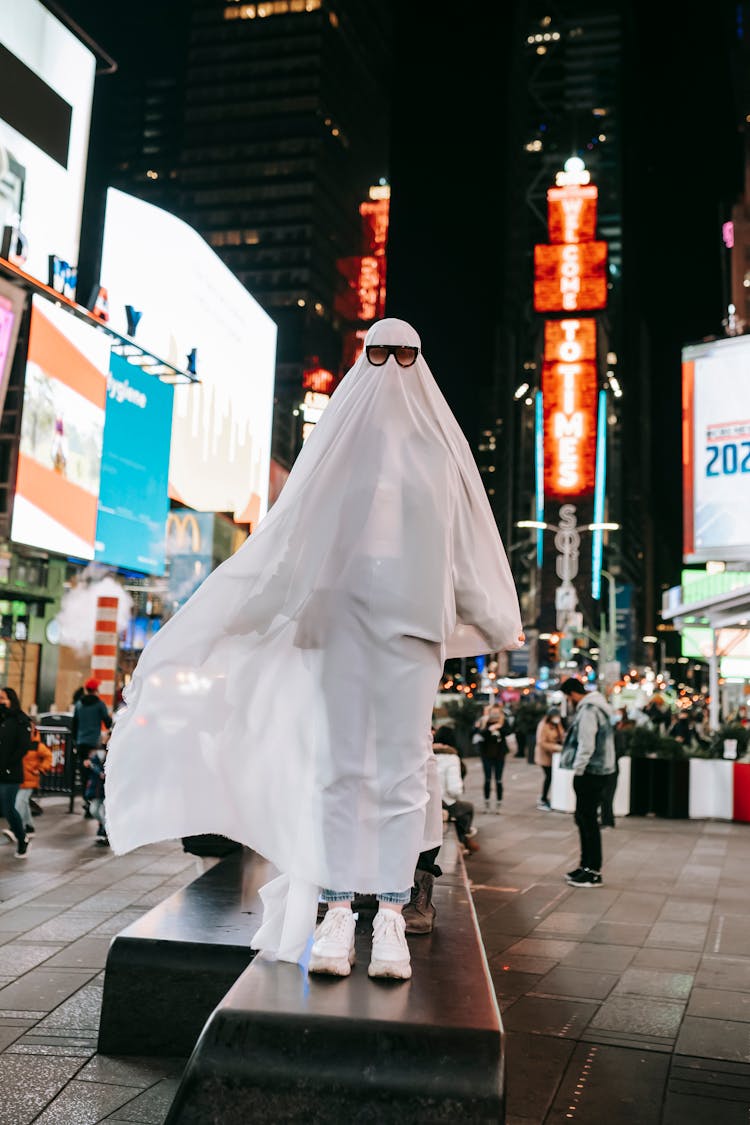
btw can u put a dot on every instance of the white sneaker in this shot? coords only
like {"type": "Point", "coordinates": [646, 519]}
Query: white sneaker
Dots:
{"type": "Point", "coordinates": [333, 943]}
{"type": "Point", "coordinates": [390, 953]}
{"type": "Point", "coordinates": [9, 835]}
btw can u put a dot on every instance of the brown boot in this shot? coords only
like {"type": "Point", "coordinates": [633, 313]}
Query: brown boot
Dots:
{"type": "Point", "coordinates": [419, 914]}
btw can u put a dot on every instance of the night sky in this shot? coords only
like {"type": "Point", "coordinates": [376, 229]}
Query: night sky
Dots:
{"type": "Point", "coordinates": [450, 127]}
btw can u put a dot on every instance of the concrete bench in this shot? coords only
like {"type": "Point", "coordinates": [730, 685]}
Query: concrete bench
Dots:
{"type": "Point", "coordinates": [283, 1046]}
{"type": "Point", "coordinates": [166, 972]}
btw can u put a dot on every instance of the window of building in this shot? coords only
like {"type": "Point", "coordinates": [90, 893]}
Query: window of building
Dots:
{"type": "Point", "coordinates": [272, 8]}
{"type": "Point", "coordinates": [233, 237]}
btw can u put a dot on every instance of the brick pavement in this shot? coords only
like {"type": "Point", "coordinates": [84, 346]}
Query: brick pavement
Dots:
{"type": "Point", "coordinates": [628, 1003]}
{"type": "Point", "coordinates": [58, 912]}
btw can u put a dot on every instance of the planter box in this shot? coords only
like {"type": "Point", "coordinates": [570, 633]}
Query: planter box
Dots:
{"type": "Point", "coordinates": [660, 787]}
{"type": "Point", "coordinates": [711, 789]}
{"type": "Point", "coordinates": [741, 804]}
{"type": "Point", "coordinates": [563, 798]}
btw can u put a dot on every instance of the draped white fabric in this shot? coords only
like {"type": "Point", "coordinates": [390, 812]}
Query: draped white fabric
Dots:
{"type": "Point", "coordinates": [287, 705]}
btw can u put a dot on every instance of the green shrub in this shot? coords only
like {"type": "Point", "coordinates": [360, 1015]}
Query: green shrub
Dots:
{"type": "Point", "coordinates": [641, 741]}
{"type": "Point", "coordinates": [644, 742]}
{"type": "Point", "coordinates": [671, 748]}
{"type": "Point", "coordinates": [730, 730]}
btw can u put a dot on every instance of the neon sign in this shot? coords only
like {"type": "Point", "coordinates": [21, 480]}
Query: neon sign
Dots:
{"type": "Point", "coordinates": [567, 341]}
{"type": "Point", "coordinates": [569, 389]}
{"type": "Point", "coordinates": [570, 276]}
{"type": "Point", "coordinates": [318, 379]}
{"type": "Point", "coordinates": [571, 213]}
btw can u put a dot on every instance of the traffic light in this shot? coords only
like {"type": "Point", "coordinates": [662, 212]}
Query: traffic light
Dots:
{"type": "Point", "coordinates": [553, 648]}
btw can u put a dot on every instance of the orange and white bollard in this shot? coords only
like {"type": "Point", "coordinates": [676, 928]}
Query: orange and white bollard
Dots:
{"type": "Point", "coordinates": [104, 654]}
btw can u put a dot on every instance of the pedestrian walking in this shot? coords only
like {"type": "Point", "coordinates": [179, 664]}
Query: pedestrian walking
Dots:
{"type": "Point", "coordinates": [589, 750]}
{"type": "Point", "coordinates": [549, 739]}
{"type": "Point", "coordinates": [311, 659]}
{"type": "Point", "coordinates": [36, 761]}
{"type": "Point", "coordinates": [90, 717]}
{"type": "Point", "coordinates": [94, 767]}
{"type": "Point", "coordinates": [15, 740]}
{"type": "Point", "coordinates": [493, 750]}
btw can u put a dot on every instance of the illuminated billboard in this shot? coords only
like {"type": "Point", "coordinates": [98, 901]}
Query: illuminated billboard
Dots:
{"type": "Point", "coordinates": [12, 305]}
{"type": "Point", "coordinates": [569, 392]}
{"type": "Point", "coordinates": [571, 213]}
{"type": "Point", "coordinates": [133, 497]}
{"type": "Point", "coordinates": [716, 450]}
{"type": "Point", "coordinates": [46, 88]}
{"type": "Point", "coordinates": [191, 304]}
{"type": "Point", "coordinates": [59, 459]}
{"type": "Point", "coordinates": [569, 277]}
{"type": "Point", "coordinates": [569, 340]}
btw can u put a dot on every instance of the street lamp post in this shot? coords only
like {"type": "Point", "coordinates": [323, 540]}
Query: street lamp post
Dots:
{"type": "Point", "coordinates": [567, 598]}
{"type": "Point", "coordinates": [612, 616]}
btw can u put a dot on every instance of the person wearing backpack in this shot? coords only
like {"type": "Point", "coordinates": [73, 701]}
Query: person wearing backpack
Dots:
{"type": "Point", "coordinates": [588, 750]}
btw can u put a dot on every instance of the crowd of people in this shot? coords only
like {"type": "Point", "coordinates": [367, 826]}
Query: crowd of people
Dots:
{"type": "Point", "coordinates": [25, 758]}
{"type": "Point", "coordinates": [588, 733]}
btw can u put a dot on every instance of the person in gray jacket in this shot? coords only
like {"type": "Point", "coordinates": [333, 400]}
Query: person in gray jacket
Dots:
{"type": "Point", "coordinates": [589, 750]}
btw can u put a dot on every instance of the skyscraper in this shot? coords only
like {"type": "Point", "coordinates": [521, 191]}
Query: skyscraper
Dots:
{"type": "Point", "coordinates": [567, 101]}
{"type": "Point", "coordinates": [284, 130]}
{"type": "Point", "coordinates": [263, 126]}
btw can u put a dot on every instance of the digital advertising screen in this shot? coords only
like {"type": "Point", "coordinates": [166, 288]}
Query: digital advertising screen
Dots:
{"type": "Point", "coordinates": [12, 305]}
{"type": "Point", "coordinates": [133, 497]}
{"type": "Point", "coordinates": [189, 301]}
{"type": "Point", "coordinates": [716, 450]}
{"type": "Point", "coordinates": [46, 89]}
{"type": "Point", "coordinates": [62, 425]}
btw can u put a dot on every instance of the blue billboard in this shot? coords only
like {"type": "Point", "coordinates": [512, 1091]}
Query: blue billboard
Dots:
{"type": "Point", "coordinates": [133, 499]}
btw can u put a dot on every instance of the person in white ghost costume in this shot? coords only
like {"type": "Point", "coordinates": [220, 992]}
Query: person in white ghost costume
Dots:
{"type": "Point", "coordinates": [288, 704]}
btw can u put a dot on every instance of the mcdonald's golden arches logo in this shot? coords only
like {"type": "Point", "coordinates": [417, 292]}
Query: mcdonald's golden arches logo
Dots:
{"type": "Point", "coordinates": [183, 534]}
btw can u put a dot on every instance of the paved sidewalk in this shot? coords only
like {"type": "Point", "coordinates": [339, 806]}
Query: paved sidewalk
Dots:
{"type": "Point", "coordinates": [58, 912]}
{"type": "Point", "coordinates": [628, 1003]}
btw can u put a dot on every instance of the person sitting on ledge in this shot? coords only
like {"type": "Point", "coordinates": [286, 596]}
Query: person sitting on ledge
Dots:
{"type": "Point", "coordinates": [450, 772]}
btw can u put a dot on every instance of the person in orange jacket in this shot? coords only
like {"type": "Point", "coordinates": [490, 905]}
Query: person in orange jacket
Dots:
{"type": "Point", "coordinates": [36, 761]}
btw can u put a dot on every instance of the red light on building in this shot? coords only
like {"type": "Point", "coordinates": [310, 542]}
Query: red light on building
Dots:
{"type": "Point", "coordinates": [375, 213]}
{"type": "Point", "coordinates": [570, 412]}
{"type": "Point", "coordinates": [371, 288]}
{"type": "Point", "coordinates": [319, 379]}
{"type": "Point", "coordinates": [571, 213]}
{"type": "Point", "coordinates": [570, 277]}
{"type": "Point", "coordinates": [569, 341]}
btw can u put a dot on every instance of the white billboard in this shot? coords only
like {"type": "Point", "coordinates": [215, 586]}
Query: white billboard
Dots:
{"type": "Point", "coordinates": [60, 454]}
{"type": "Point", "coordinates": [189, 300]}
{"type": "Point", "coordinates": [716, 450]}
{"type": "Point", "coordinates": [46, 89]}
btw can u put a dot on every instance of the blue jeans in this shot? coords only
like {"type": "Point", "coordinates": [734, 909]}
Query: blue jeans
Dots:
{"type": "Point", "coordinates": [397, 898]}
{"type": "Point", "coordinates": [8, 794]}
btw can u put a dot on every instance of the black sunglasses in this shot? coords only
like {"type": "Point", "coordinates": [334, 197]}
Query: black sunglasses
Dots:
{"type": "Point", "coordinates": [404, 354]}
